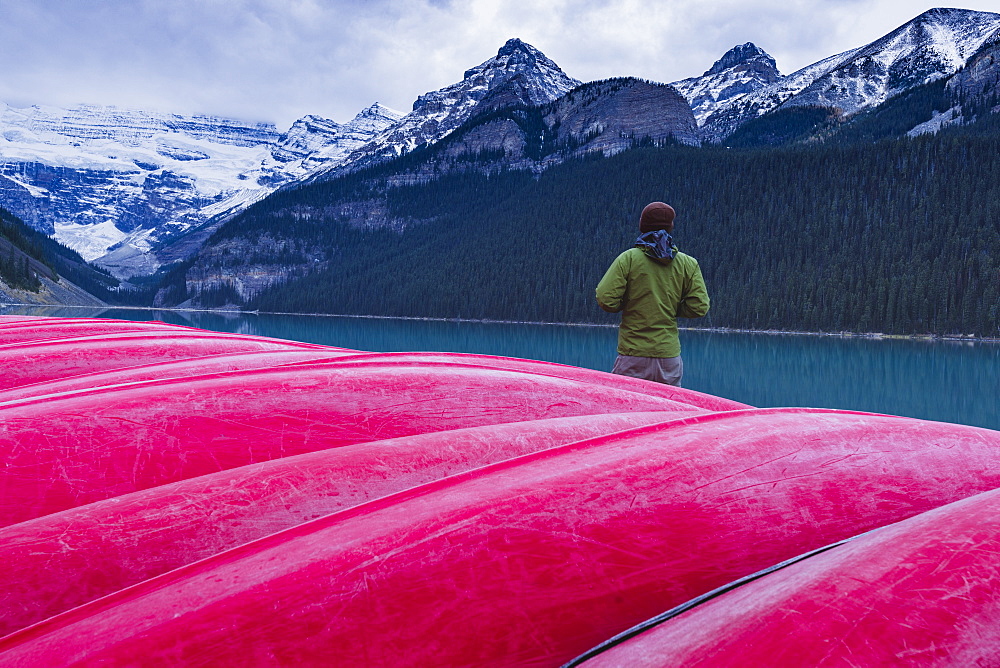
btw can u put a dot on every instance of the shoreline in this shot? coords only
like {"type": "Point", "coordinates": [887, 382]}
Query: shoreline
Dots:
{"type": "Point", "coordinates": [874, 336]}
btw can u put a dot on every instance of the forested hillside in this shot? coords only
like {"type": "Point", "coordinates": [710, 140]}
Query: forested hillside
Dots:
{"type": "Point", "coordinates": [899, 236]}
{"type": "Point", "coordinates": [27, 256]}
{"type": "Point", "coordinates": [21, 258]}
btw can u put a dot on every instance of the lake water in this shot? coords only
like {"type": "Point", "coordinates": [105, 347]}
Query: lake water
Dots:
{"type": "Point", "coordinates": [935, 380]}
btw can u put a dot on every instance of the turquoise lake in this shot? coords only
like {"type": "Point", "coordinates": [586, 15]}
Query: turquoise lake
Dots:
{"type": "Point", "coordinates": [949, 381]}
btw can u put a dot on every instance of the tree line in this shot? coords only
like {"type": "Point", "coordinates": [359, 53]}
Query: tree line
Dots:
{"type": "Point", "coordinates": [24, 252]}
{"type": "Point", "coordinates": [898, 236]}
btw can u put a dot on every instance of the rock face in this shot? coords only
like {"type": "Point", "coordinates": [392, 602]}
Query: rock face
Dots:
{"type": "Point", "coordinates": [258, 266]}
{"type": "Point", "coordinates": [743, 85]}
{"type": "Point", "coordinates": [609, 116]}
{"type": "Point", "coordinates": [606, 116]}
{"type": "Point", "coordinates": [114, 184]}
{"type": "Point", "coordinates": [519, 75]}
{"type": "Point", "coordinates": [742, 70]}
{"type": "Point", "coordinates": [980, 78]}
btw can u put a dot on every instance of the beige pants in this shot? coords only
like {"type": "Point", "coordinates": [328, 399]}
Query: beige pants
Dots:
{"type": "Point", "coordinates": [666, 370]}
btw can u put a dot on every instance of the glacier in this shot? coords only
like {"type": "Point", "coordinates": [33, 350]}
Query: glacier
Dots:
{"type": "Point", "coordinates": [120, 185]}
{"type": "Point", "coordinates": [103, 178]}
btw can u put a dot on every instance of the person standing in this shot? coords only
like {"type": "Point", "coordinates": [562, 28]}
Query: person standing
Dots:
{"type": "Point", "coordinates": [652, 284]}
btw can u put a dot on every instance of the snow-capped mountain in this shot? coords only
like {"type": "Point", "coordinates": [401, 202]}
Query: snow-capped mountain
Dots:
{"type": "Point", "coordinates": [117, 185]}
{"type": "Point", "coordinates": [742, 70]}
{"type": "Point", "coordinates": [102, 179]}
{"type": "Point", "coordinates": [313, 141]}
{"type": "Point", "coordinates": [607, 117]}
{"type": "Point", "coordinates": [519, 74]}
{"type": "Point", "coordinates": [114, 184]}
{"type": "Point", "coordinates": [934, 45]}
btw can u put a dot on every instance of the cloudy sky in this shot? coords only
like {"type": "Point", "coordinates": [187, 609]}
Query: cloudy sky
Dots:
{"type": "Point", "coordinates": [277, 60]}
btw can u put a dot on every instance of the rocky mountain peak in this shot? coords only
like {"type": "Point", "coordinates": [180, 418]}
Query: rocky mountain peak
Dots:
{"type": "Point", "coordinates": [513, 55]}
{"type": "Point", "coordinates": [378, 110]}
{"type": "Point", "coordinates": [946, 15]}
{"type": "Point", "coordinates": [744, 54]}
{"type": "Point", "coordinates": [518, 75]}
{"type": "Point", "coordinates": [742, 71]}
{"type": "Point", "coordinates": [538, 75]}
{"type": "Point", "coordinates": [374, 119]}
{"type": "Point", "coordinates": [516, 46]}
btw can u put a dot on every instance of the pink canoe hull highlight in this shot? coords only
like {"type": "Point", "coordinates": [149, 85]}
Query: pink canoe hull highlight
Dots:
{"type": "Point", "coordinates": [39, 329]}
{"type": "Point", "coordinates": [925, 591]}
{"type": "Point", "coordinates": [533, 560]}
{"type": "Point", "coordinates": [65, 559]}
{"type": "Point", "coordinates": [35, 362]}
{"type": "Point", "coordinates": [237, 499]}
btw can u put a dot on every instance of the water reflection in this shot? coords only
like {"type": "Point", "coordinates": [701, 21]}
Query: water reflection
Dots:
{"type": "Point", "coordinates": [934, 380]}
{"type": "Point", "coordinates": [947, 381]}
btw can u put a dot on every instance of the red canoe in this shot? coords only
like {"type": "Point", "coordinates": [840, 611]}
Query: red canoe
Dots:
{"type": "Point", "coordinates": [37, 329]}
{"type": "Point", "coordinates": [65, 559]}
{"type": "Point", "coordinates": [691, 397]}
{"type": "Point", "coordinates": [66, 450]}
{"type": "Point", "coordinates": [235, 501]}
{"type": "Point", "coordinates": [39, 361]}
{"type": "Point", "coordinates": [925, 591]}
{"type": "Point", "coordinates": [533, 560]}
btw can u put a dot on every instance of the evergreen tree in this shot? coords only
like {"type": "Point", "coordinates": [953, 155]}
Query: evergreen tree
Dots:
{"type": "Point", "coordinates": [897, 236]}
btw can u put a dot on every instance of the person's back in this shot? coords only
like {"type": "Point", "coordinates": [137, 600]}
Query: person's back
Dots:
{"type": "Point", "coordinates": [653, 284]}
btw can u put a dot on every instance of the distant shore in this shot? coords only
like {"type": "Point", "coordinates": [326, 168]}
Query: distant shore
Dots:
{"type": "Point", "coordinates": [877, 336]}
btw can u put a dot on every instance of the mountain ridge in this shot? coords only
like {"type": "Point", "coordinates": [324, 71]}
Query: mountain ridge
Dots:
{"type": "Point", "coordinates": [133, 190]}
{"type": "Point", "coordinates": [935, 44]}
{"type": "Point", "coordinates": [519, 74]}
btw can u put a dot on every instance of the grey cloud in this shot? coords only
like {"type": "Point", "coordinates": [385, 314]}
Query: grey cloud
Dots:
{"type": "Point", "coordinates": [281, 59]}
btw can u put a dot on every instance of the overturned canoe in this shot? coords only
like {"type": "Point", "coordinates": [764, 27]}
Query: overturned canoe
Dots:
{"type": "Point", "coordinates": [38, 329]}
{"type": "Point", "coordinates": [46, 360]}
{"type": "Point", "coordinates": [533, 560]}
{"type": "Point", "coordinates": [68, 449]}
{"type": "Point", "coordinates": [223, 499]}
{"type": "Point", "coordinates": [925, 591]}
{"type": "Point", "coordinates": [65, 559]}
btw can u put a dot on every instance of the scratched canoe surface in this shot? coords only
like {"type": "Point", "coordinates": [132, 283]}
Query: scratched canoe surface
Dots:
{"type": "Point", "coordinates": [67, 449]}
{"type": "Point", "coordinates": [65, 559]}
{"type": "Point", "coordinates": [229, 495]}
{"type": "Point", "coordinates": [16, 330]}
{"type": "Point", "coordinates": [925, 591]}
{"type": "Point", "coordinates": [534, 559]}
{"type": "Point", "coordinates": [27, 363]}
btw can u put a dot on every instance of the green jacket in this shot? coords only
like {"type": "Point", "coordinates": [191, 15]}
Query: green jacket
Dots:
{"type": "Point", "coordinates": [652, 294]}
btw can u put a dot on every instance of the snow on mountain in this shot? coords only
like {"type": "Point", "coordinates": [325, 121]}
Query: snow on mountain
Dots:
{"type": "Point", "coordinates": [313, 141]}
{"type": "Point", "coordinates": [731, 113]}
{"type": "Point", "coordinates": [742, 70]}
{"type": "Point", "coordinates": [518, 74]}
{"type": "Point", "coordinates": [119, 140]}
{"type": "Point", "coordinates": [931, 46]}
{"type": "Point", "coordinates": [100, 178]}
{"type": "Point", "coordinates": [118, 184]}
